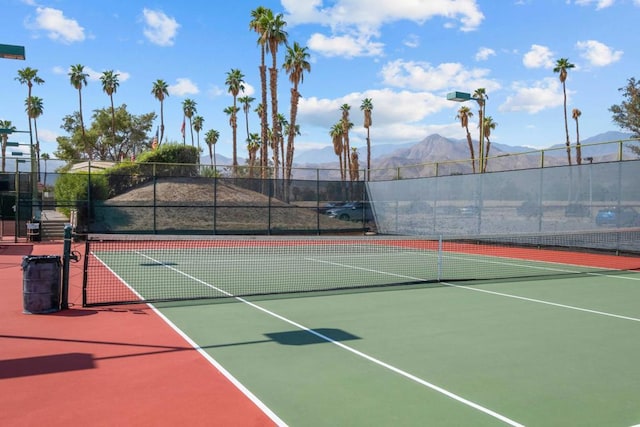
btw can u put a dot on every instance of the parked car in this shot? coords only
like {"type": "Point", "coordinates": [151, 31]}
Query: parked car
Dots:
{"type": "Point", "coordinates": [577, 210]}
{"type": "Point", "coordinates": [618, 215]}
{"type": "Point", "coordinates": [470, 210]}
{"type": "Point", "coordinates": [352, 211]}
{"type": "Point", "coordinates": [328, 206]}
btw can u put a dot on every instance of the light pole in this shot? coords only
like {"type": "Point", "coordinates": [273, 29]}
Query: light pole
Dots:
{"type": "Point", "coordinates": [463, 97]}
{"type": "Point", "coordinates": [9, 51]}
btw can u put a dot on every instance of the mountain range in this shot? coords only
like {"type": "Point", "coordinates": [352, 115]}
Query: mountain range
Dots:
{"type": "Point", "coordinates": [434, 148]}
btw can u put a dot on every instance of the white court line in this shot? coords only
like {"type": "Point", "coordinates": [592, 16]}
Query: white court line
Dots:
{"type": "Point", "coordinates": [476, 289]}
{"type": "Point", "coordinates": [264, 408]}
{"type": "Point", "coordinates": [378, 362]}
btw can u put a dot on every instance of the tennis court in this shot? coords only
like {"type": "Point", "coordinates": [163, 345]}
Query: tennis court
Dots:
{"type": "Point", "coordinates": [388, 331]}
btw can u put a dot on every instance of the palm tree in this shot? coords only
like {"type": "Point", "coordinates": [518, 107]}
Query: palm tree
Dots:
{"type": "Point", "coordinates": [29, 76]}
{"type": "Point", "coordinates": [110, 85]}
{"type": "Point", "coordinates": [480, 95]}
{"type": "Point", "coordinates": [5, 124]}
{"type": "Point", "coordinates": [197, 126]}
{"type": "Point", "coordinates": [354, 172]}
{"type": "Point", "coordinates": [278, 142]}
{"type": "Point", "coordinates": [246, 107]}
{"type": "Point", "coordinates": [235, 85]}
{"type": "Point", "coordinates": [463, 115]}
{"type": "Point", "coordinates": [367, 107]}
{"type": "Point", "coordinates": [78, 79]}
{"type": "Point", "coordinates": [160, 91]}
{"type": "Point", "coordinates": [338, 147]}
{"type": "Point", "coordinates": [253, 145]}
{"type": "Point", "coordinates": [346, 126]}
{"type": "Point", "coordinates": [296, 62]}
{"type": "Point", "coordinates": [45, 157]}
{"type": "Point", "coordinates": [211, 137]}
{"type": "Point", "coordinates": [489, 125]}
{"type": "Point", "coordinates": [34, 109]}
{"type": "Point", "coordinates": [274, 36]}
{"type": "Point", "coordinates": [232, 112]}
{"type": "Point", "coordinates": [189, 109]}
{"type": "Point", "coordinates": [562, 65]}
{"type": "Point", "coordinates": [257, 24]}
{"type": "Point", "coordinates": [576, 115]}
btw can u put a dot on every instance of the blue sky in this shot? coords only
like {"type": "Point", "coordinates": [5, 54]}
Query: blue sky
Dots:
{"type": "Point", "coordinates": [405, 55]}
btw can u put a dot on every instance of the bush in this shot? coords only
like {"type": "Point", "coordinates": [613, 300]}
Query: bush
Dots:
{"type": "Point", "coordinates": [172, 160]}
{"type": "Point", "coordinates": [122, 177]}
{"type": "Point", "coordinates": [80, 188]}
{"type": "Point", "coordinates": [168, 160]}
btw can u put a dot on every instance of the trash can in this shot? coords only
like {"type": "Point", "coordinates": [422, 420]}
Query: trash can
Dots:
{"type": "Point", "coordinates": [41, 284]}
{"type": "Point", "coordinates": [33, 231]}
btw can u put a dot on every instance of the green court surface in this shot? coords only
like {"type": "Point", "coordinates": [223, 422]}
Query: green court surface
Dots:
{"type": "Point", "coordinates": [546, 352]}
{"type": "Point", "coordinates": [548, 344]}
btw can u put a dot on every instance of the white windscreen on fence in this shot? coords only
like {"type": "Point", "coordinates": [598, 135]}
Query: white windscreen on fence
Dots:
{"type": "Point", "coordinates": [547, 200]}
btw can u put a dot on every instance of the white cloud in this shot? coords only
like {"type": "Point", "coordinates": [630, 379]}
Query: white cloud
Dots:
{"type": "Point", "coordinates": [354, 23]}
{"type": "Point", "coordinates": [397, 115]}
{"type": "Point", "coordinates": [447, 76]}
{"type": "Point", "coordinates": [600, 4]}
{"type": "Point", "coordinates": [57, 26]}
{"type": "Point", "coordinates": [46, 135]}
{"type": "Point", "coordinates": [159, 28]}
{"type": "Point", "coordinates": [413, 40]}
{"type": "Point", "coordinates": [484, 53]}
{"type": "Point", "coordinates": [538, 57]}
{"type": "Point", "coordinates": [598, 54]}
{"type": "Point", "coordinates": [123, 76]}
{"type": "Point", "coordinates": [249, 90]}
{"type": "Point", "coordinates": [543, 94]}
{"type": "Point", "coordinates": [345, 46]}
{"type": "Point", "coordinates": [373, 14]}
{"type": "Point", "coordinates": [92, 75]}
{"type": "Point", "coordinates": [215, 91]}
{"type": "Point", "coordinates": [183, 87]}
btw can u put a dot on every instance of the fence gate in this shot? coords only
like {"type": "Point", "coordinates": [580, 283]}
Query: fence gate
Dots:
{"type": "Point", "coordinates": [16, 205]}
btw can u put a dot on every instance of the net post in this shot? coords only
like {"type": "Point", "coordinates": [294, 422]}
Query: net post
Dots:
{"type": "Point", "coordinates": [440, 258]}
{"type": "Point", "coordinates": [66, 257]}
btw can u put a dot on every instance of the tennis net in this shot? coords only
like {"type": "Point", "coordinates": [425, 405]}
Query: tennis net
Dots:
{"type": "Point", "coordinates": [121, 269]}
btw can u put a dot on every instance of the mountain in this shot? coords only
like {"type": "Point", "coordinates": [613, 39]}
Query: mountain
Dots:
{"type": "Point", "coordinates": [436, 148]}
{"type": "Point", "coordinates": [418, 159]}
{"type": "Point", "coordinates": [600, 150]}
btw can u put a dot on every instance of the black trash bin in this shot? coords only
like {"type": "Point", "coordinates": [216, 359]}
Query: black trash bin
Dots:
{"type": "Point", "coordinates": [41, 284]}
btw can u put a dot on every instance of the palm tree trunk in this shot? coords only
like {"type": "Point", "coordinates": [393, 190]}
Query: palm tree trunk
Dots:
{"type": "Point", "coordinates": [471, 151]}
{"type": "Point", "coordinates": [486, 156]}
{"type": "Point", "coordinates": [37, 148]}
{"type": "Point", "coordinates": [578, 146]}
{"type": "Point", "coordinates": [84, 139]}
{"type": "Point", "coordinates": [275, 125]}
{"type": "Point", "coordinates": [566, 124]}
{"type": "Point", "coordinates": [292, 130]}
{"type": "Point", "coordinates": [161, 122]}
{"type": "Point", "coordinates": [264, 126]}
{"type": "Point", "coordinates": [368, 156]}
{"type": "Point", "coordinates": [5, 138]}
{"type": "Point", "coordinates": [191, 131]}
{"type": "Point", "coordinates": [113, 121]}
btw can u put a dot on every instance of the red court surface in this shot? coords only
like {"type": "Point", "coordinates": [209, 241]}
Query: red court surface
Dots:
{"type": "Point", "coordinates": [103, 367]}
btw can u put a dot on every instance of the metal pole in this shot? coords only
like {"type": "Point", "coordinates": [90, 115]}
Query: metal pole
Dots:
{"type": "Point", "coordinates": [66, 258]}
{"type": "Point", "coordinates": [481, 103]}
